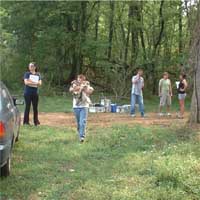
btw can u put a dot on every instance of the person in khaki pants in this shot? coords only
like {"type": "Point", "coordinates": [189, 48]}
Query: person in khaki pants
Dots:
{"type": "Point", "coordinates": [165, 93]}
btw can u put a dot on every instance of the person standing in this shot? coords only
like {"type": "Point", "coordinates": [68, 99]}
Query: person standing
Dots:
{"type": "Point", "coordinates": [182, 94]}
{"type": "Point", "coordinates": [137, 93]}
{"type": "Point", "coordinates": [32, 81]}
{"type": "Point", "coordinates": [81, 90]}
{"type": "Point", "coordinates": [165, 93]}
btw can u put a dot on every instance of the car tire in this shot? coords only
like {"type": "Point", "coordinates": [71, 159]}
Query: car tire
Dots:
{"type": "Point", "coordinates": [17, 138]}
{"type": "Point", "coordinates": [5, 170]}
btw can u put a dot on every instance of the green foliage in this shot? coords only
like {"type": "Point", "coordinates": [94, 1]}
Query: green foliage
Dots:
{"type": "Point", "coordinates": [67, 38]}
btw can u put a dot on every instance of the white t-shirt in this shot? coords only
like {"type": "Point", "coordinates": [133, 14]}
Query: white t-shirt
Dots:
{"type": "Point", "coordinates": [137, 87]}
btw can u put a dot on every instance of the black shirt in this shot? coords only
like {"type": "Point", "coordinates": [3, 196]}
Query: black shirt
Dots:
{"type": "Point", "coordinates": [181, 87]}
{"type": "Point", "coordinates": [28, 90]}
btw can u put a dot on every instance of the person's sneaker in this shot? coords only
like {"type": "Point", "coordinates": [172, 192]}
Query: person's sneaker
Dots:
{"type": "Point", "coordinates": [133, 115]}
{"type": "Point", "coordinates": [160, 114]}
{"type": "Point", "coordinates": [82, 139]}
{"type": "Point", "coordinates": [180, 117]}
{"type": "Point", "coordinates": [169, 114]}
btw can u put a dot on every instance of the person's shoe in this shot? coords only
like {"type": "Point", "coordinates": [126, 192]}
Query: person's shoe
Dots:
{"type": "Point", "coordinates": [180, 117]}
{"type": "Point", "coordinates": [82, 139]}
{"type": "Point", "coordinates": [160, 114]}
{"type": "Point", "coordinates": [169, 114]}
{"type": "Point", "coordinates": [133, 115]}
{"type": "Point", "coordinates": [26, 124]}
{"type": "Point", "coordinates": [37, 123]}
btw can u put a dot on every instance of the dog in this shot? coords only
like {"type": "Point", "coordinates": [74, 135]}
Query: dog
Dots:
{"type": "Point", "coordinates": [79, 94]}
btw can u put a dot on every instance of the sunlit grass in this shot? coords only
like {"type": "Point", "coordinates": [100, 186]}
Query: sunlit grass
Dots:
{"type": "Point", "coordinates": [114, 163]}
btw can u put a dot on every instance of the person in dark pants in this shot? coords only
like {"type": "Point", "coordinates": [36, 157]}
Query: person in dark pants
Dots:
{"type": "Point", "coordinates": [32, 80]}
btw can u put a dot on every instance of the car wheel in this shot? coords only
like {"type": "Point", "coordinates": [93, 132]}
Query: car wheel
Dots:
{"type": "Point", "coordinates": [5, 170]}
{"type": "Point", "coordinates": [17, 138]}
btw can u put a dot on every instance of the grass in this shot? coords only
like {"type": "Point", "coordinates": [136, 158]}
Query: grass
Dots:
{"type": "Point", "coordinates": [64, 103]}
{"type": "Point", "coordinates": [115, 163]}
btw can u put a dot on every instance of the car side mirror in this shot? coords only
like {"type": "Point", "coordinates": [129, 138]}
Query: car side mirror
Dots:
{"type": "Point", "coordinates": [19, 102]}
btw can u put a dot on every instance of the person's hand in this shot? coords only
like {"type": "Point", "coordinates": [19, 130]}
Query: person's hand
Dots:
{"type": "Point", "coordinates": [88, 90]}
{"type": "Point", "coordinates": [76, 88]}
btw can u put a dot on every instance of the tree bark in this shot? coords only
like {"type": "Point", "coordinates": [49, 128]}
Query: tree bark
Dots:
{"type": "Point", "coordinates": [80, 30]}
{"type": "Point", "coordinates": [134, 13]}
{"type": "Point", "coordinates": [195, 61]}
{"type": "Point", "coordinates": [156, 44]}
{"type": "Point", "coordinates": [128, 35]}
{"type": "Point", "coordinates": [180, 32]}
{"type": "Point", "coordinates": [111, 29]}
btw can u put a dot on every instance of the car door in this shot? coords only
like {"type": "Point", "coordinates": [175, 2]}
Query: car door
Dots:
{"type": "Point", "coordinates": [7, 114]}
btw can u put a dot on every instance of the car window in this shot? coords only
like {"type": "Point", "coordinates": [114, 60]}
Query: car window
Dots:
{"type": "Point", "coordinates": [5, 100]}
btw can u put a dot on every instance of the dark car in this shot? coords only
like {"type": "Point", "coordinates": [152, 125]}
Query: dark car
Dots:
{"type": "Point", "coordinates": [9, 128]}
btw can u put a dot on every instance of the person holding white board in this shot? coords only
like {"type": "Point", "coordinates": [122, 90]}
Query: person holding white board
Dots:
{"type": "Point", "coordinates": [32, 80]}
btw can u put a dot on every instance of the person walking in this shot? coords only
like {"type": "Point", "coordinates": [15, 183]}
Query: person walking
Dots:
{"type": "Point", "coordinates": [32, 81]}
{"type": "Point", "coordinates": [182, 94]}
{"type": "Point", "coordinates": [81, 90]}
{"type": "Point", "coordinates": [165, 94]}
{"type": "Point", "coordinates": [137, 93]}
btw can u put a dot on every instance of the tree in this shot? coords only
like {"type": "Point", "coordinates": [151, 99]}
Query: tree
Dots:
{"type": "Point", "coordinates": [195, 61]}
{"type": "Point", "coordinates": [111, 28]}
{"type": "Point", "coordinates": [98, 38]}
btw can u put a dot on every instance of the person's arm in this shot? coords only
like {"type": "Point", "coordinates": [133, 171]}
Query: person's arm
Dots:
{"type": "Point", "coordinates": [185, 85]}
{"type": "Point", "coordinates": [159, 88]}
{"type": "Point", "coordinates": [74, 88]}
{"type": "Point", "coordinates": [40, 82]}
{"type": "Point", "coordinates": [27, 80]}
{"type": "Point", "coordinates": [142, 83]}
{"type": "Point", "coordinates": [88, 89]}
{"type": "Point", "coordinates": [135, 79]}
{"type": "Point", "coordinates": [170, 89]}
{"type": "Point", "coordinates": [31, 83]}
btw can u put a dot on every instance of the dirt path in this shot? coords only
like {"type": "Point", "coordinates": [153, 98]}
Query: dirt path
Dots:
{"type": "Point", "coordinates": [108, 119]}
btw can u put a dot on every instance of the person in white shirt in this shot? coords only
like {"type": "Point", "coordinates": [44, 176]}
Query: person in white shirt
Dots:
{"type": "Point", "coordinates": [136, 93]}
{"type": "Point", "coordinates": [165, 93]}
{"type": "Point", "coordinates": [81, 90]}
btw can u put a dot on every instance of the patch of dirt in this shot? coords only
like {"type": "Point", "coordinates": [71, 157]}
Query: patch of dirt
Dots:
{"type": "Point", "coordinates": [108, 119]}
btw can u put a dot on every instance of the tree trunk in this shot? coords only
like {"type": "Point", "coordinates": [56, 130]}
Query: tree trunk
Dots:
{"type": "Point", "coordinates": [111, 28]}
{"type": "Point", "coordinates": [156, 45]}
{"type": "Point", "coordinates": [128, 35]}
{"type": "Point", "coordinates": [97, 21]}
{"type": "Point", "coordinates": [140, 18]}
{"type": "Point", "coordinates": [134, 13]}
{"type": "Point", "coordinates": [96, 33]}
{"type": "Point", "coordinates": [80, 29]}
{"type": "Point", "coordinates": [195, 58]}
{"type": "Point", "coordinates": [180, 33]}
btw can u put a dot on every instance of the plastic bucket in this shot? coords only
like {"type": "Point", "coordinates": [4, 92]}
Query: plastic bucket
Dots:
{"type": "Point", "coordinates": [113, 108]}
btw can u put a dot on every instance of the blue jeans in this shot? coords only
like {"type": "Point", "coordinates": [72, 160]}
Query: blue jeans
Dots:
{"type": "Point", "coordinates": [139, 99]}
{"type": "Point", "coordinates": [81, 115]}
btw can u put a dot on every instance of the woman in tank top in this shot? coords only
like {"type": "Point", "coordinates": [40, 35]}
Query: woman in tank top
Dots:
{"type": "Point", "coordinates": [182, 94]}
